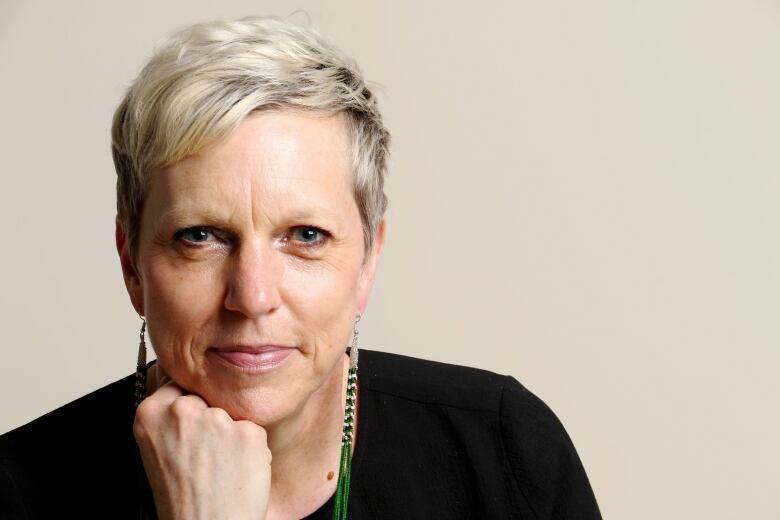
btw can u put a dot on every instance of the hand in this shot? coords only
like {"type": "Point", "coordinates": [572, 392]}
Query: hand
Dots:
{"type": "Point", "coordinates": [200, 462]}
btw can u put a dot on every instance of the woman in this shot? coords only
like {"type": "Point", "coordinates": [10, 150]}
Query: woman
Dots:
{"type": "Point", "coordinates": [250, 158]}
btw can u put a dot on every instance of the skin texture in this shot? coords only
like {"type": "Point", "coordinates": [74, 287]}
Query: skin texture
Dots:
{"type": "Point", "coordinates": [256, 241]}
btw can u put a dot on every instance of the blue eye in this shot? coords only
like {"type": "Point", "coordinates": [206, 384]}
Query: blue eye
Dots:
{"type": "Point", "coordinates": [309, 235]}
{"type": "Point", "coordinates": [196, 235]}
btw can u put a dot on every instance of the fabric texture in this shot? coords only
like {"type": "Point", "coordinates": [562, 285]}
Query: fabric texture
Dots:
{"type": "Point", "coordinates": [433, 441]}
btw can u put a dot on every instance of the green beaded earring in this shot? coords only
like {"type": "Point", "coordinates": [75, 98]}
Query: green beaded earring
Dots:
{"type": "Point", "coordinates": [345, 467]}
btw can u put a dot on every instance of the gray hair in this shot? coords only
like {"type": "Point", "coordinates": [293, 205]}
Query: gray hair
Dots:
{"type": "Point", "coordinates": [206, 79]}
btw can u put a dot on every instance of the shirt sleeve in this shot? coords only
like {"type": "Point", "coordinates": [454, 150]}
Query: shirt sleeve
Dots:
{"type": "Point", "coordinates": [543, 460]}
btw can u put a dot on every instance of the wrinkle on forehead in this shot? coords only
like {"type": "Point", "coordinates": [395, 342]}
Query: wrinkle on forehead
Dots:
{"type": "Point", "coordinates": [271, 168]}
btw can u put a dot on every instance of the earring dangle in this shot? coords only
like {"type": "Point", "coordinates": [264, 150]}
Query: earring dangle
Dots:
{"type": "Point", "coordinates": [140, 369]}
{"type": "Point", "coordinates": [353, 348]}
{"type": "Point", "coordinates": [345, 467]}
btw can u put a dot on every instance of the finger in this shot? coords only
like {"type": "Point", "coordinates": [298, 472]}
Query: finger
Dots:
{"type": "Point", "coordinates": [167, 393]}
{"type": "Point", "coordinates": [193, 400]}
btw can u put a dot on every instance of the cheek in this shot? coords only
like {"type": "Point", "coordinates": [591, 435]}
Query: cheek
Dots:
{"type": "Point", "coordinates": [323, 300]}
{"type": "Point", "coordinates": [178, 302]}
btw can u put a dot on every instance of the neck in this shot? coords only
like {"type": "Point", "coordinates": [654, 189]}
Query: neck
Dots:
{"type": "Point", "coordinates": [306, 450]}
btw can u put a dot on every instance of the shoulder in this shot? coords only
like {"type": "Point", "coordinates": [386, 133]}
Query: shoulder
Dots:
{"type": "Point", "coordinates": [88, 416]}
{"type": "Point", "coordinates": [500, 420]}
{"type": "Point", "coordinates": [434, 382]}
{"type": "Point", "coordinates": [430, 382]}
{"type": "Point", "coordinates": [437, 383]}
{"type": "Point", "coordinates": [56, 458]}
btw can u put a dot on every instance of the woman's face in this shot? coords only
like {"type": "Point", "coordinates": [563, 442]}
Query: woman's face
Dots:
{"type": "Point", "coordinates": [250, 266]}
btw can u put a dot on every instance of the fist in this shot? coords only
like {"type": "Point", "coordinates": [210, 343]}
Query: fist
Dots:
{"type": "Point", "coordinates": [200, 462]}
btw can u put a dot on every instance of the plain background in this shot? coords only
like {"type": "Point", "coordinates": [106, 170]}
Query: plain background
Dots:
{"type": "Point", "coordinates": [583, 194]}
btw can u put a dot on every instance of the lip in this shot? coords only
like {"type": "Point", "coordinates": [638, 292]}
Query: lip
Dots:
{"type": "Point", "coordinates": [253, 358]}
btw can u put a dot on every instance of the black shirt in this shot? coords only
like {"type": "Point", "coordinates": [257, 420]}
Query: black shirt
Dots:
{"type": "Point", "coordinates": [433, 441]}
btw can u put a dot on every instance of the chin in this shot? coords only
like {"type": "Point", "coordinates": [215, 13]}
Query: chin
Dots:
{"type": "Point", "coordinates": [263, 406]}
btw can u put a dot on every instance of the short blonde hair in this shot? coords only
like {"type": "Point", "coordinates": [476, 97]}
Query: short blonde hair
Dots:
{"type": "Point", "coordinates": [207, 78]}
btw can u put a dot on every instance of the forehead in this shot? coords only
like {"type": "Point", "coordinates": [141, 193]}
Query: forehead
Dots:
{"type": "Point", "coordinates": [282, 159]}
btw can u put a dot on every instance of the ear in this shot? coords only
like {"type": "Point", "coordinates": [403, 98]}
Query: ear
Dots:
{"type": "Point", "coordinates": [369, 268]}
{"type": "Point", "coordinates": [132, 280]}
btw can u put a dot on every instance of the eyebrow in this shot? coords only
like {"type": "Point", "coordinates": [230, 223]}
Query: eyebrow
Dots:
{"type": "Point", "coordinates": [184, 213]}
{"type": "Point", "coordinates": [210, 216]}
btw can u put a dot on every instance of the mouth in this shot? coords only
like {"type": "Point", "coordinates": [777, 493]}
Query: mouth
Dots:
{"type": "Point", "coordinates": [252, 358]}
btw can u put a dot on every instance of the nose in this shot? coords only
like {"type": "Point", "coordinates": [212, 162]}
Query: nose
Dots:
{"type": "Point", "coordinates": [253, 281]}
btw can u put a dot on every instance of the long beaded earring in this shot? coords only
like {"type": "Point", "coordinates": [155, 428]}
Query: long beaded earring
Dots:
{"type": "Point", "coordinates": [345, 467]}
{"type": "Point", "coordinates": [140, 369]}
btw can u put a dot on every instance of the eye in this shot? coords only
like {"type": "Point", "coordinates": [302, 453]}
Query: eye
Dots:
{"type": "Point", "coordinates": [309, 236]}
{"type": "Point", "coordinates": [195, 235]}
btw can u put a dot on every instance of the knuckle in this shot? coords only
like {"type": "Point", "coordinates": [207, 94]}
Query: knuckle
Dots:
{"type": "Point", "coordinates": [183, 405]}
{"type": "Point", "coordinates": [217, 415]}
{"type": "Point", "coordinates": [255, 438]}
{"type": "Point", "coordinates": [145, 417]}
{"type": "Point", "coordinates": [178, 407]}
{"type": "Point", "coordinates": [250, 430]}
{"type": "Point", "coordinates": [145, 409]}
{"type": "Point", "coordinates": [140, 430]}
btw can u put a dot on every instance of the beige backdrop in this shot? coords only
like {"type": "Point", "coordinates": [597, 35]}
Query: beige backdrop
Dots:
{"type": "Point", "coordinates": [583, 194]}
